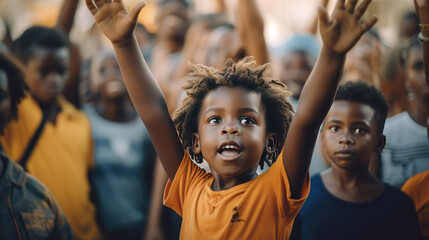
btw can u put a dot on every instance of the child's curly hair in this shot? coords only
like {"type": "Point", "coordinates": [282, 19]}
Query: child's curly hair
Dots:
{"type": "Point", "coordinates": [202, 79]}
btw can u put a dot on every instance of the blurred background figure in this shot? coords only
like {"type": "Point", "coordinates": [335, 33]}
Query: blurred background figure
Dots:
{"type": "Point", "coordinates": [123, 153]}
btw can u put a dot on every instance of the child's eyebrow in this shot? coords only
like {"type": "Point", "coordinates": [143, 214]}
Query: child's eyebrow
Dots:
{"type": "Point", "coordinates": [240, 110]}
{"type": "Point", "coordinates": [248, 109]}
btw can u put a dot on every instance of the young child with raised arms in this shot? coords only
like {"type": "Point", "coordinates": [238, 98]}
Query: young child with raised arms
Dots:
{"type": "Point", "coordinates": [234, 119]}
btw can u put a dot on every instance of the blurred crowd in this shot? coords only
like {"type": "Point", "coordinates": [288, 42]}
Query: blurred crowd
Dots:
{"type": "Point", "coordinates": [89, 155]}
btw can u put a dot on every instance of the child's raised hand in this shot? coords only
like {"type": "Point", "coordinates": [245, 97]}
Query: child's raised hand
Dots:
{"type": "Point", "coordinates": [343, 29]}
{"type": "Point", "coordinates": [113, 19]}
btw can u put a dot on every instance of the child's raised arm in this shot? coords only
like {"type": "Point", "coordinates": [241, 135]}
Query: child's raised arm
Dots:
{"type": "Point", "coordinates": [118, 25]}
{"type": "Point", "coordinates": [339, 33]}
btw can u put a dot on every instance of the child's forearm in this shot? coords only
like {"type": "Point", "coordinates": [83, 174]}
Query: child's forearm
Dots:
{"type": "Point", "coordinates": [150, 104]}
{"type": "Point", "coordinates": [319, 89]}
{"type": "Point", "coordinates": [250, 26]}
{"type": "Point", "coordinates": [67, 14]}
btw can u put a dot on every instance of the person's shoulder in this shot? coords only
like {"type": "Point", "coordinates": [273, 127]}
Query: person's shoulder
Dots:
{"type": "Point", "coordinates": [420, 179]}
{"type": "Point", "coordinates": [397, 119]}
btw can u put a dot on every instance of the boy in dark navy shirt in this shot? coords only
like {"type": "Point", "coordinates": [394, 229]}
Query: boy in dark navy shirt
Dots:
{"type": "Point", "coordinates": [347, 201]}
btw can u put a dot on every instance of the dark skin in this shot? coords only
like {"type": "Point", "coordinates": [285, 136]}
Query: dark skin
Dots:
{"type": "Point", "coordinates": [47, 71]}
{"type": "Point", "coordinates": [350, 138]}
{"type": "Point", "coordinates": [65, 23]}
{"type": "Point", "coordinates": [113, 101]}
{"type": "Point", "coordinates": [422, 9]}
{"type": "Point", "coordinates": [339, 34]}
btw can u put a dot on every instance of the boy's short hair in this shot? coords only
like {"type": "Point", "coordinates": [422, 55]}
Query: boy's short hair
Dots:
{"type": "Point", "coordinates": [363, 93]}
{"type": "Point", "coordinates": [16, 83]}
{"type": "Point", "coordinates": [39, 36]}
{"type": "Point", "coordinates": [202, 79]}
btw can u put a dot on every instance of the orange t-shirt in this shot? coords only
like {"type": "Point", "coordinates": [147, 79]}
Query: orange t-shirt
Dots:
{"type": "Point", "coordinates": [258, 209]}
{"type": "Point", "coordinates": [61, 159]}
{"type": "Point", "coordinates": [417, 187]}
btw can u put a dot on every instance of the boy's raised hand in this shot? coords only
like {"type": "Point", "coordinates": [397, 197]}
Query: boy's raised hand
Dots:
{"type": "Point", "coordinates": [113, 19]}
{"type": "Point", "coordinates": [343, 29]}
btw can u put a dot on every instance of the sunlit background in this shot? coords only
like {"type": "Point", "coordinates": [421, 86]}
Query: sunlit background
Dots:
{"type": "Point", "coordinates": [282, 17]}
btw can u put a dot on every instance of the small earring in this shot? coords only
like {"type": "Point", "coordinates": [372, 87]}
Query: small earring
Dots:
{"type": "Point", "coordinates": [198, 158]}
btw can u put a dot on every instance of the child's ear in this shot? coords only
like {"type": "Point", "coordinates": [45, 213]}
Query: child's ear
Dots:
{"type": "Point", "coordinates": [271, 143]}
{"type": "Point", "coordinates": [381, 143]}
{"type": "Point", "coordinates": [196, 144]}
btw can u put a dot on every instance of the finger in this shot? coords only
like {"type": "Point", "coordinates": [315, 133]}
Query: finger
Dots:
{"type": "Point", "coordinates": [360, 10]}
{"type": "Point", "coordinates": [323, 17]}
{"type": "Point", "coordinates": [99, 3]}
{"type": "Point", "coordinates": [340, 4]}
{"type": "Point", "coordinates": [367, 25]}
{"type": "Point", "coordinates": [91, 6]}
{"type": "Point", "coordinates": [350, 6]}
{"type": "Point", "coordinates": [134, 13]}
{"type": "Point", "coordinates": [107, 1]}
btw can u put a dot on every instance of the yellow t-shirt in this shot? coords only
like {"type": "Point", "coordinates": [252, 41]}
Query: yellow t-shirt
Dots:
{"type": "Point", "coordinates": [61, 159]}
{"type": "Point", "coordinates": [417, 187]}
{"type": "Point", "coordinates": [258, 209]}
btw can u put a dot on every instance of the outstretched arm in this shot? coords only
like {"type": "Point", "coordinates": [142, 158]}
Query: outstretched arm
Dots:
{"type": "Point", "coordinates": [340, 32]}
{"type": "Point", "coordinates": [66, 16]}
{"type": "Point", "coordinates": [118, 25]}
{"type": "Point", "coordinates": [250, 27]}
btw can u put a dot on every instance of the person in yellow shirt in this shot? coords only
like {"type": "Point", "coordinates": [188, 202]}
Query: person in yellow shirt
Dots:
{"type": "Point", "coordinates": [60, 155]}
{"type": "Point", "coordinates": [235, 119]}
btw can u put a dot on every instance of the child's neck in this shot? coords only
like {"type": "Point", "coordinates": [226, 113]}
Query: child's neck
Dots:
{"type": "Point", "coordinates": [50, 110]}
{"type": "Point", "coordinates": [419, 111]}
{"type": "Point", "coordinates": [115, 110]}
{"type": "Point", "coordinates": [221, 183]}
{"type": "Point", "coordinates": [358, 186]}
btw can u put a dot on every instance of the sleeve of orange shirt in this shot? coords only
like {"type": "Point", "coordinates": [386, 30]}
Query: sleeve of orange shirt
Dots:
{"type": "Point", "coordinates": [417, 187]}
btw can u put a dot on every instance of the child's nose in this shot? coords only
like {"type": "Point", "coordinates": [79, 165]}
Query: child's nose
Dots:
{"type": "Point", "coordinates": [347, 138]}
{"type": "Point", "coordinates": [230, 129]}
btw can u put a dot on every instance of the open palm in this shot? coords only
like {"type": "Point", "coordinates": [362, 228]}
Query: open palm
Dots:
{"type": "Point", "coordinates": [343, 30]}
{"type": "Point", "coordinates": [113, 19]}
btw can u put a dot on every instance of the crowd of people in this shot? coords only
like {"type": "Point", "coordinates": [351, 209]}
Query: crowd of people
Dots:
{"type": "Point", "coordinates": [199, 131]}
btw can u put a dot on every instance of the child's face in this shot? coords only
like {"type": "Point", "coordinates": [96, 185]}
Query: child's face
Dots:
{"type": "Point", "coordinates": [47, 72]}
{"type": "Point", "coordinates": [296, 68]}
{"type": "Point", "coordinates": [416, 73]}
{"type": "Point", "coordinates": [231, 131]}
{"type": "Point", "coordinates": [109, 81]}
{"type": "Point", "coordinates": [4, 101]}
{"type": "Point", "coordinates": [349, 135]}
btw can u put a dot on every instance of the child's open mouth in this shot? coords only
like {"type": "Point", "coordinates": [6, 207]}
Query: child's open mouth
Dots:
{"type": "Point", "coordinates": [230, 150]}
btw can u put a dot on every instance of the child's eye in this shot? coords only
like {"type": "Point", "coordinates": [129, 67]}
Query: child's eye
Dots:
{"type": "Point", "coordinates": [334, 128]}
{"type": "Point", "coordinates": [214, 120]}
{"type": "Point", "coordinates": [360, 131]}
{"type": "Point", "coordinates": [247, 120]}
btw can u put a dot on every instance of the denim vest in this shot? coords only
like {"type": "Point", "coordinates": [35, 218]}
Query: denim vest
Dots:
{"type": "Point", "coordinates": [28, 209]}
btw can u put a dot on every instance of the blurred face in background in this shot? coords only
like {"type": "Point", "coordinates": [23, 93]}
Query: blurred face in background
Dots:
{"type": "Point", "coordinates": [416, 74]}
{"type": "Point", "coordinates": [46, 72]}
{"type": "Point", "coordinates": [173, 20]}
{"type": "Point", "coordinates": [106, 78]}
{"type": "Point", "coordinates": [362, 60]}
{"type": "Point", "coordinates": [296, 67]}
{"type": "Point", "coordinates": [223, 44]}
